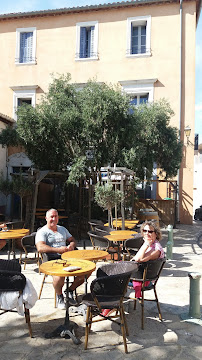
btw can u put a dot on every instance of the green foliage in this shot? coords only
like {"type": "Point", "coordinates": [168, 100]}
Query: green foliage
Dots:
{"type": "Point", "coordinates": [21, 186]}
{"type": "Point", "coordinates": [106, 197]}
{"type": "Point", "coordinates": [57, 133]}
{"type": "Point", "coordinates": [78, 171]}
{"type": "Point", "coordinates": [154, 140]}
{"type": "Point", "coordinates": [6, 186]}
{"type": "Point", "coordinates": [10, 137]}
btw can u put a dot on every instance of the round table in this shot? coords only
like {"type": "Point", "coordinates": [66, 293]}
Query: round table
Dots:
{"type": "Point", "coordinates": [120, 235]}
{"type": "Point", "coordinates": [12, 235]}
{"type": "Point", "coordinates": [56, 268]}
{"type": "Point", "coordinates": [129, 224]}
{"type": "Point", "coordinates": [85, 254]}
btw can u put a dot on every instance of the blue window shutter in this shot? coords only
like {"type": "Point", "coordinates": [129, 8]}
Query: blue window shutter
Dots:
{"type": "Point", "coordinates": [143, 39]}
{"type": "Point", "coordinates": [83, 34]}
{"type": "Point", "coordinates": [92, 40]}
{"type": "Point", "coordinates": [26, 47]}
{"type": "Point", "coordinates": [134, 39]}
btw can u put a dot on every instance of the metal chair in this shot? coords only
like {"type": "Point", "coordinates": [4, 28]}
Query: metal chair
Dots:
{"type": "Point", "coordinates": [132, 245]}
{"type": "Point", "coordinates": [107, 292]}
{"type": "Point", "coordinates": [148, 271]}
{"type": "Point", "coordinates": [12, 244]}
{"type": "Point", "coordinates": [104, 229]}
{"type": "Point", "coordinates": [93, 223]}
{"type": "Point", "coordinates": [28, 245]}
{"type": "Point", "coordinates": [11, 279]}
{"type": "Point", "coordinates": [99, 242]}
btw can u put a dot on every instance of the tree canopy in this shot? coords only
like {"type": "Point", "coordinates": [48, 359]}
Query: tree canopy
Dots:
{"type": "Point", "coordinates": [57, 133]}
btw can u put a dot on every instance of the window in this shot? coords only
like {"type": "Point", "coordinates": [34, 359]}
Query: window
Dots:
{"type": "Point", "coordinates": [138, 36]}
{"type": "Point", "coordinates": [25, 46]}
{"type": "Point", "coordinates": [140, 91]}
{"type": "Point", "coordinates": [23, 94]}
{"type": "Point", "coordinates": [139, 99]}
{"type": "Point", "coordinates": [87, 41]}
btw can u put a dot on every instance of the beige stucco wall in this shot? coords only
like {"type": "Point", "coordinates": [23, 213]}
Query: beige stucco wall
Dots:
{"type": "Point", "coordinates": [56, 47]}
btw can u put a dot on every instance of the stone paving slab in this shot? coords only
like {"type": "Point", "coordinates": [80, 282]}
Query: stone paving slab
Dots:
{"type": "Point", "coordinates": [171, 339]}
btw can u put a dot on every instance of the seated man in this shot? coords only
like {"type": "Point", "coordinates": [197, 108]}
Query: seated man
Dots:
{"type": "Point", "coordinates": [54, 240]}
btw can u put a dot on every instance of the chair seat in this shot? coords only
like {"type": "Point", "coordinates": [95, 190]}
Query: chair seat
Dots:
{"type": "Point", "coordinates": [104, 301]}
{"type": "Point", "coordinates": [11, 281]}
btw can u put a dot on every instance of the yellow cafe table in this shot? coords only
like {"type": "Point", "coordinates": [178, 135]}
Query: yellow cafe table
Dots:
{"type": "Point", "coordinates": [120, 236]}
{"type": "Point", "coordinates": [66, 268]}
{"type": "Point", "coordinates": [91, 255]}
{"type": "Point", "coordinates": [11, 236]}
{"type": "Point", "coordinates": [129, 224]}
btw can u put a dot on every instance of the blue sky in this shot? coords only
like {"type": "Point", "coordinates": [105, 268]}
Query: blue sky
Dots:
{"type": "Point", "coordinates": [11, 6]}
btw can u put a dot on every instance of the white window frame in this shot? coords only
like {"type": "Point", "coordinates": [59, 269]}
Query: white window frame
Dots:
{"type": "Point", "coordinates": [23, 92]}
{"type": "Point", "coordinates": [139, 87]}
{"type": "Point", "coordinates": [136, 21]}
{"type": "Point", "coordinates": [78, 34]}
{"type": "Point", "coordinates": [17, 54]}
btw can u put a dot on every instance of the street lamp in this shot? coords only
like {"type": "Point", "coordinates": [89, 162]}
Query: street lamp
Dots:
{"type": "Point", "coordinates": [187, 131]}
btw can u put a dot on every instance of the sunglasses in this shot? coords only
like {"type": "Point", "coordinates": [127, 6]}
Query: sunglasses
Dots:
{"type": "Point", "coordinates": [148, 231]}
{"type": "Point", "coordinates": [61, 262]}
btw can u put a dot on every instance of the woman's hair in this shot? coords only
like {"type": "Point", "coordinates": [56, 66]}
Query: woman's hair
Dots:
{"type": "Point", "coordinates": [155, 227]}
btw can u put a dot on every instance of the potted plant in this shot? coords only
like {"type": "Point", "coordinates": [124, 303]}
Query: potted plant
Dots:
{"type": "Point", "coordinates": [107, 198]}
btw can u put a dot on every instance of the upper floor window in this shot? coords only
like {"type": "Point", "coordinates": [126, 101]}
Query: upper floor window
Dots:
{"type": "Point", "coordinates": [87, 40]}
{"type": "Point", "coordinates": [138, 36]}
{"type": "Point", "coordinates": [25, 46]}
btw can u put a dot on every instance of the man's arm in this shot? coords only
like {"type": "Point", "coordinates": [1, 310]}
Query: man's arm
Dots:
{"type": "Point", "coordinates": [44, 248]}
{"type": "Point", "coordinates": [72, 243]}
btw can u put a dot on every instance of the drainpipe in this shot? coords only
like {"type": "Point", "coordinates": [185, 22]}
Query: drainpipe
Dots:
{"type": "Point", "coordinates": [180, 101]}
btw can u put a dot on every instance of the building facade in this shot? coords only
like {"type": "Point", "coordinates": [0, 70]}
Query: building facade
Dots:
{"type": "Point", "coordinates": [147, 47]}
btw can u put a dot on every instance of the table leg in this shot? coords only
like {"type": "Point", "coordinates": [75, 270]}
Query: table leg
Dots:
{"type": "Point", "coordinates": [13, 248]}
{"type": "Point", "coordinates": [9, 248]}
{"type": "Point", "coordinates": [66, 330]}
{"type": "Point", "coordinates": [86, 284]}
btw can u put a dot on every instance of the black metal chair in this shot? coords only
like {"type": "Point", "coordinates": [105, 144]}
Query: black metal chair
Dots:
{"type": "Point", "coordinates": [14, 243]}
{"type": "Point", "coordinates": [133, 244]}
{"type": "Point", "coordinates": [104, 229]}
{"type": "Point", "coordinates": [107, 292]}
{"type": "Point", "coordinates": [93, 223]}
{"type": "Point", "coordinates": [11, 279]}
{"type": "Point", "coordinates": [148, 271]}
{"type": "Point", "coordinates": [28, 245]}
{"type": "Point", "coordinates": [99, 242]}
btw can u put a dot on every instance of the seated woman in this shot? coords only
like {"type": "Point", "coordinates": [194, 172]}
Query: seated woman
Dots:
{"type": "Point", "coordinates": [150, 250]}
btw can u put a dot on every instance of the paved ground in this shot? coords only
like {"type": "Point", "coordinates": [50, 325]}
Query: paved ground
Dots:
{"type": "Point", "coordinates": [171, 339]}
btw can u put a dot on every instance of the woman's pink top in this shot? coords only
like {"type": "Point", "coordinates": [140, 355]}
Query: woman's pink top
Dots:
{"type": "Point", "coordinates": [157, 246]}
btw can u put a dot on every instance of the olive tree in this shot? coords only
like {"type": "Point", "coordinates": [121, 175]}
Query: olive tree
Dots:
{"type": "Point", "coordinates": [67, 123]}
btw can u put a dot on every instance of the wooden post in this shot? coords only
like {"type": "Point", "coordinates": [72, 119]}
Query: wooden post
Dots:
{"type": "Point", "coordinates": [122, 204]}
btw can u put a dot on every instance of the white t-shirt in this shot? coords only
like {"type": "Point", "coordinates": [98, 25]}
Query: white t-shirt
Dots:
{"type": "Point", "coordinates": [51, 238]}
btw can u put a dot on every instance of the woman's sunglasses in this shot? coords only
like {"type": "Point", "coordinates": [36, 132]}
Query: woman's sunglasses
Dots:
{"type": "Point", "coordinates": [148, 231]}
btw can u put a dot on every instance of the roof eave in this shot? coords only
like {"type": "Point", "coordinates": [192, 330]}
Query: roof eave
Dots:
{"type": "Point", "coordinates": [42, 13]}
